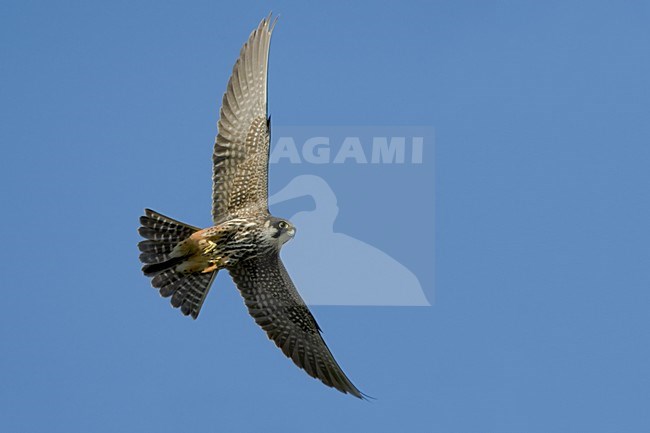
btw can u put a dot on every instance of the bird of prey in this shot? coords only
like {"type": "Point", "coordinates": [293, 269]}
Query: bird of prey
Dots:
{"type": "Point", "coordinates": [183, 260]}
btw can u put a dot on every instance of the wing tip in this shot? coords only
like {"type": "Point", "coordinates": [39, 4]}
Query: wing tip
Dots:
{"type": "Point", "coordinates": [347, 387]}
{"type": "Point", "coordinates": [268, 23]}
{"type": "Point", "coordinates": [365, 397]}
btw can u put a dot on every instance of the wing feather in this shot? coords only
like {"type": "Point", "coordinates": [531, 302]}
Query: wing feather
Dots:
{"type": "Point", "coordinates": [241, 149]}
{"type": "Point", "coordinates": [276, 306]}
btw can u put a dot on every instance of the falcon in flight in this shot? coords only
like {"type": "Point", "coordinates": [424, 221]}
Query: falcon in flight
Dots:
{"type": "Point", "coordinates": [183, 260]}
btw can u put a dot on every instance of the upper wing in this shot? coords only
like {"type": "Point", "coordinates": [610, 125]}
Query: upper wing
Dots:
{"type": "Point", "coordinates": [241, 149]}
{"type": "Point", "coordinates": [276, 306]}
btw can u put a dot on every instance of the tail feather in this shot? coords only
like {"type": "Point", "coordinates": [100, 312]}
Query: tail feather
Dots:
{"type": "Point", "coordinates": [162, 234]}
{"type": "Point", "coordinates": [166, 278]}
{"type": "Point", "coordinates": [155, 247]}
{"type": "Point", "coordinates": [160, 222]}
{"type": "Point", "coordinates": [154, 269]}
{"type": "Point", "coordinates": [169, 289]}
{"type": "Point", "coordinates": [191, 293]}
{"type": "Point", "coordinates": [154, 251]}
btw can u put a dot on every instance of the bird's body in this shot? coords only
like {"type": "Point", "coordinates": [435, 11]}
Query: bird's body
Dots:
{"type": "Point", "coordinates": [224, 245]}
{"type": "Point", "coordinates": [246, 239]}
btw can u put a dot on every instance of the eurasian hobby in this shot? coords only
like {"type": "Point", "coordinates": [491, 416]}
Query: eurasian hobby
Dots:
{"type": "Point", "coordinates": [246, 239]}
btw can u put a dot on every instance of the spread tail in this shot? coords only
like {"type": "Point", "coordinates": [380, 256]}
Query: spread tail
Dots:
{"type": "Point", "coordinates": [162, 234]}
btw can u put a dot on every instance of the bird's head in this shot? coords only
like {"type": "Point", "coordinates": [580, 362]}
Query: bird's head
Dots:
{"type": "Point", "coordinates": [279, 230]}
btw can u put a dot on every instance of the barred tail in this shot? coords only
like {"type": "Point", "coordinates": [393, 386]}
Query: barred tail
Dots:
{"type": "Point", "coordinates": [162, 234]}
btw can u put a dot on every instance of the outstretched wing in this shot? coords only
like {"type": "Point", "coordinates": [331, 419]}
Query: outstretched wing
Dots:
{"type": "Point", "coordinates": [241, 149]}
{"type": "Point", "coordinates": [274, 303]}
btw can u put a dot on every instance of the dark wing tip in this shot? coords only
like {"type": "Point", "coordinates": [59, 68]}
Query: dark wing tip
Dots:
{"type": "Point", "coordinates": [365, 397]}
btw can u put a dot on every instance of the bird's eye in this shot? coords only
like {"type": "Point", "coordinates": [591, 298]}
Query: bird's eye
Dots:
{"type": "Point", "coordinates": [283, 225]}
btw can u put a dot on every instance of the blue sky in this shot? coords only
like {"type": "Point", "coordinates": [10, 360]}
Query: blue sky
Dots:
{"type": "Point", "coordinates": [540, 176]}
